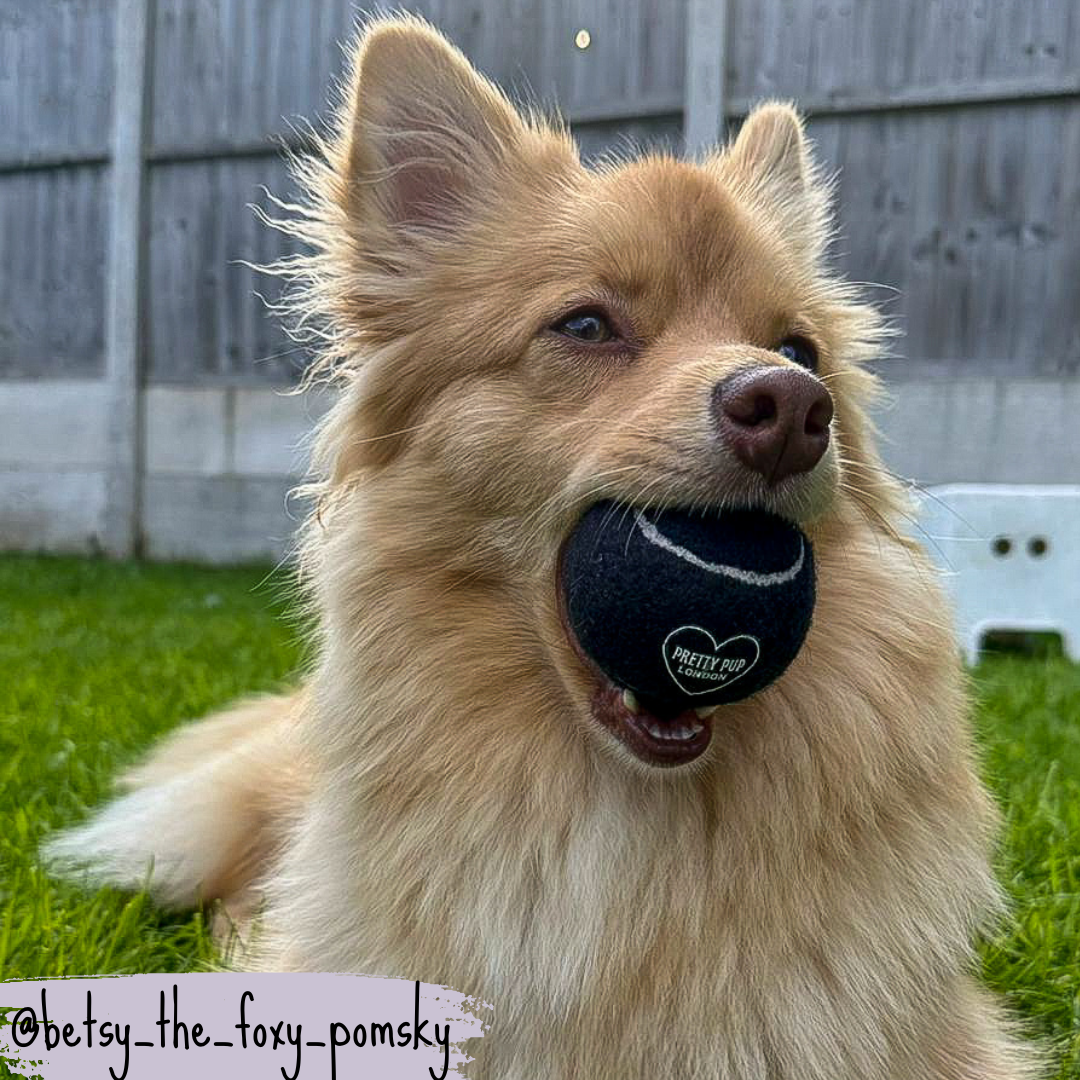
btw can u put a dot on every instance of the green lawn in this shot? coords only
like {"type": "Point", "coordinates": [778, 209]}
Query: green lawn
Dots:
{"type": "Point", "coordinates": [97, 658]}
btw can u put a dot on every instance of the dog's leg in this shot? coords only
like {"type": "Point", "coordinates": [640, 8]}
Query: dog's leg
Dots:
{"type": "Point", "coordinates": [202, 817]}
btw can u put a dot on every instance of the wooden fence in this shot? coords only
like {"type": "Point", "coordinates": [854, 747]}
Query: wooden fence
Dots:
{"type": "Point", "coordinates": [136, 131]}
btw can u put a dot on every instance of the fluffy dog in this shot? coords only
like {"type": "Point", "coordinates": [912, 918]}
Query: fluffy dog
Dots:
{"type": "Point", "coordinates": [455, 796]}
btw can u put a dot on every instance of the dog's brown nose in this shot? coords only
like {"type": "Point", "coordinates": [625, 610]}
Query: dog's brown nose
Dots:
{"type": "Point", "coordinates": [774, 420]}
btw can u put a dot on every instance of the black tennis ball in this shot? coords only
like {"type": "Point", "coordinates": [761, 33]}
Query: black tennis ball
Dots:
{"type": "Point", "coordinates": [687, 610]}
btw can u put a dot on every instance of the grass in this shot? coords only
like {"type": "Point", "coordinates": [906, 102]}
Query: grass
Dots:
{"type": "Point", "coordinates": [1028, 722]}
{"type": "Point", "coordinates": [96, 659]}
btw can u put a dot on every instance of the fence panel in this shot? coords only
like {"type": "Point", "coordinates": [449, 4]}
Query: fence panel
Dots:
{"type": "Point", "coordinates": [55, 79]}
{"type": "Point", "coordinates": [207, 318]}
{"type": "Point", "coordinates": [967, 213]}
{"type": "Point", "coordinates": [52, 272]}
{"type": "Point", "coordinates": [55, 100]}
{"type": "Point", "coordinates": [836, 52]}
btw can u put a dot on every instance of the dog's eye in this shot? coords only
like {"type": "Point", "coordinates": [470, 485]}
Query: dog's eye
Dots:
{"type": "Point", "coordinates": [588, 325]}
{"type": "Point", "coordinates": [799, 351]}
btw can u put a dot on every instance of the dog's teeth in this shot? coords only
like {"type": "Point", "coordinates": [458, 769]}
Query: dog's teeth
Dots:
{"type": "Point", "coordinates": [630, 702]}
{"type": "Point", "coordinates": [672, 732]}
{"type": "Point", "coordinates": [707, 711]}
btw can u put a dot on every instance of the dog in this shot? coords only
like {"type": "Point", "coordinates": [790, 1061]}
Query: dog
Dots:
{"type": "Point", "coordinates": [454, 795]}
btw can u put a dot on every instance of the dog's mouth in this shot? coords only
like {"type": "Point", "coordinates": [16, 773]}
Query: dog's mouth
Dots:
{"type": "Point", "coordinates": [660, 739]}
{"type": "Point", "coordinates": [657, 736]}
{"type": "Point", "coordinates": [672, 613]}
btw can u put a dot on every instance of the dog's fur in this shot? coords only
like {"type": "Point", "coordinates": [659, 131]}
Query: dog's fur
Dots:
{"type": "Point", "coordinates": [438, 803]}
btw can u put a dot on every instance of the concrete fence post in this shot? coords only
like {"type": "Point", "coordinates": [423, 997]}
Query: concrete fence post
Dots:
{"type": "Point", "coordinates": [126, 273]}
{"type": "Point", "coordinates": [706, 50]}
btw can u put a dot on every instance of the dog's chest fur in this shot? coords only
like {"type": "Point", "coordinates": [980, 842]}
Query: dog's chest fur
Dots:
{"type": "Point", "coordinates": [791, 911]}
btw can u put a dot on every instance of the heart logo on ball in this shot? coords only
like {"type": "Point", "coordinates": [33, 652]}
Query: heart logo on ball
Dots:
{"type": "Point", "coordinates": [698, 664]}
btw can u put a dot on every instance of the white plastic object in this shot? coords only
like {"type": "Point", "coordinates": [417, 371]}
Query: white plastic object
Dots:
{"type": "Point", "coordinates": [1010, 558]}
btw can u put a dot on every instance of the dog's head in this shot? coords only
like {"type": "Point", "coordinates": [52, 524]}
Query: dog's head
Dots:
{"type": "Point", "coordinates": [520, 337]}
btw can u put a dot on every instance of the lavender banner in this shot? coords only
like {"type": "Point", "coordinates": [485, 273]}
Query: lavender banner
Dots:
{"type": "Point", "coordinates": [227, 1025]}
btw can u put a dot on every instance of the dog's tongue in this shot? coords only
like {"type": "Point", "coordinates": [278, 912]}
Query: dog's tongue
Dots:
{"type": "Point", "coordinates": [687, 611]}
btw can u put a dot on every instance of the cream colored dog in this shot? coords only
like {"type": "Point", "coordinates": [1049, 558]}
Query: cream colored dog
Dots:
{"type": "Point", "coordinates": [516, 337]}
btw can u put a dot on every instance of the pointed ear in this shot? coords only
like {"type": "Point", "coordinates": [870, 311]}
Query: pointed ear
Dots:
{"type": "Point", "coordinates": [422, 132]}
{"type": "Point", "coordinates": [771, 162]}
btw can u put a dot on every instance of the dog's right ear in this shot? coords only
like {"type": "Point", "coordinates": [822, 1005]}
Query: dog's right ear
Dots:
{"type": "Point", "coordinates": [423, 133]}
{"type": "Point", "coordinates": [771, 163]}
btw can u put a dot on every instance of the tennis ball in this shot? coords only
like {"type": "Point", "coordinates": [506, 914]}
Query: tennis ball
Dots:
{"type": "Point", "coordinates": [688, 610]}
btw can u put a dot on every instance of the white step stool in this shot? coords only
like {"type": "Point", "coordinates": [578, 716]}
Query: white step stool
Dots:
{"type": "Point", "coordinates": [1010, 558]}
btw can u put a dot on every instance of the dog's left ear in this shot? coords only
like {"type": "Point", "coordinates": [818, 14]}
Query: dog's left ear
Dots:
{"type": "Point", "coordinates": [771, 163]}
{"type": "Point", "coordinates": [424, 135]}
